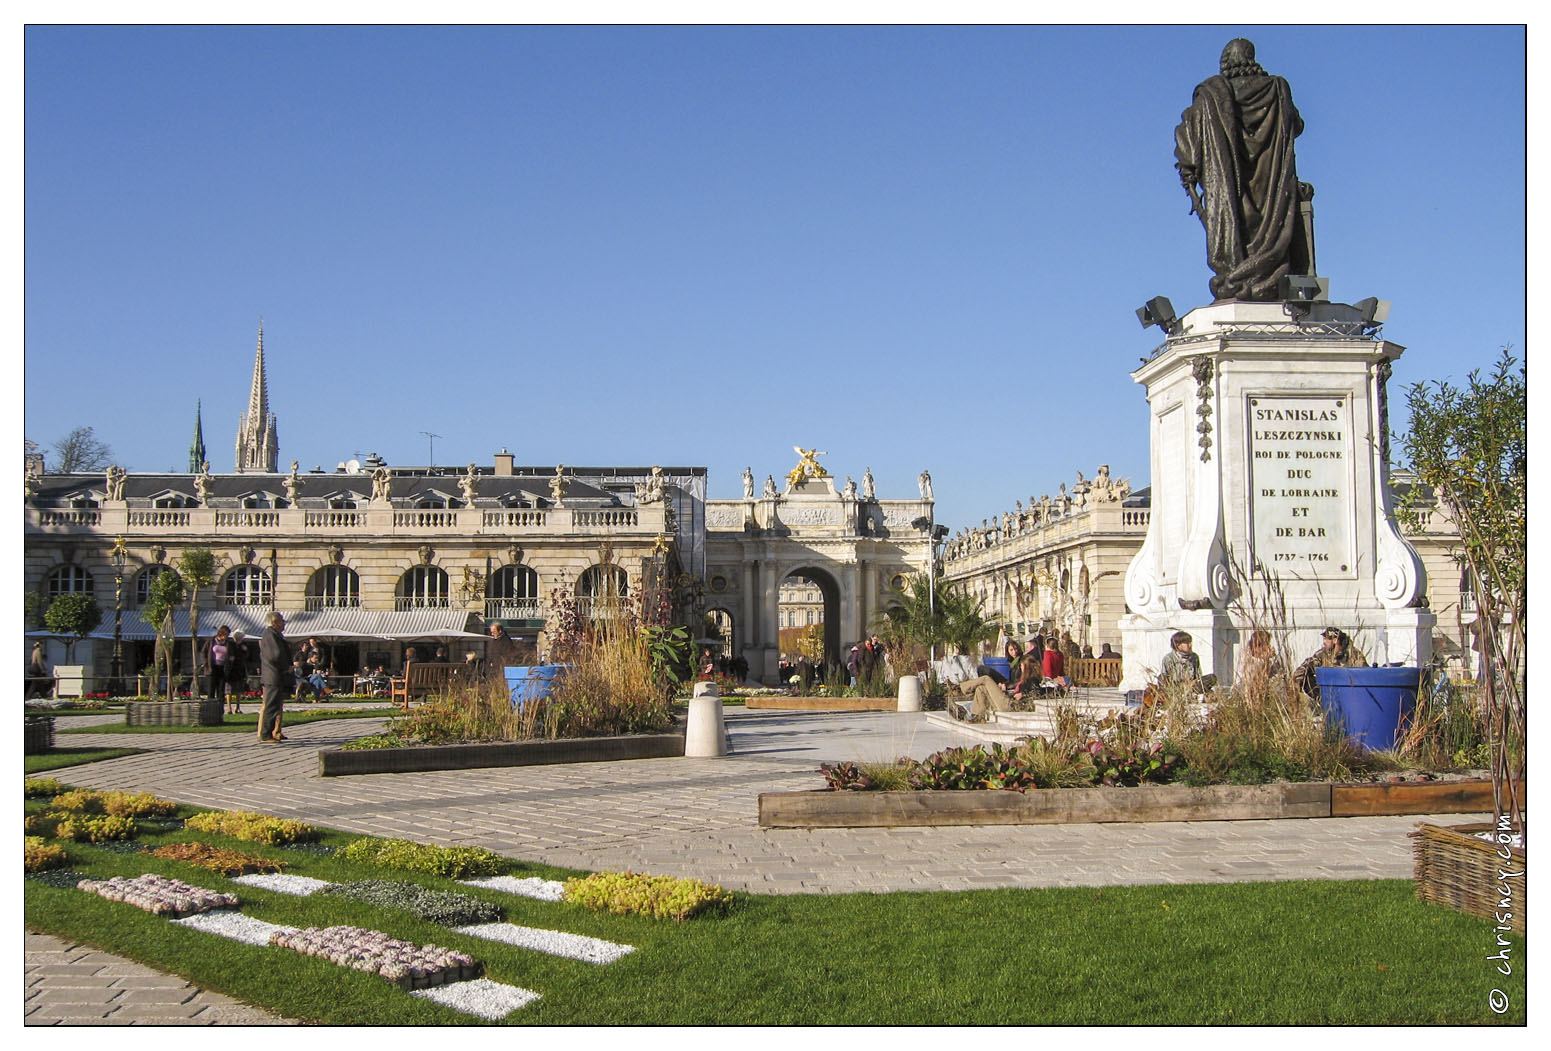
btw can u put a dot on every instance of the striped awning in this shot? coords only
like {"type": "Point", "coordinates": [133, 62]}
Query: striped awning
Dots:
{"type": "Point", "coordinates": [324, 623]}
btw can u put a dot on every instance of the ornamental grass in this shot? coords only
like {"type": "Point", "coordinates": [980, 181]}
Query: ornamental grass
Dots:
{"type": "Point", "coordinates": [662, 897]}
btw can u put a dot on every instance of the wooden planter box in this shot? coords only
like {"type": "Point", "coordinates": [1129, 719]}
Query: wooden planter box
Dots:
{"type": "Point", "coordinates": [337, 762]}
{"type": "Point", "coordinates": [38, 737]}
{"type": "Point", "coordinates": [1456, 869]}
{"type": "Point", "coordinates": [205, 712]}
{"type": "Point", "coordinates": [1048, 806]}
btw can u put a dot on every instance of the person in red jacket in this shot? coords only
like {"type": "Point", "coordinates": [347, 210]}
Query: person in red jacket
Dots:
{"type": "Point", "coordinates": [1055, 666]}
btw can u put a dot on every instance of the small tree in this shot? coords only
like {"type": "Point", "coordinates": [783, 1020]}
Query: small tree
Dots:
{"type": "Point", "coordinates": [1469, 448]}
{"type": "Point", "coordinates": [197, 565]}
{"type": "Point", "coordinates": [80, 452]}
{"type": "Point", "coordinates": [75, 615]}
{"type": "Point", "coordinates": [166, 592]}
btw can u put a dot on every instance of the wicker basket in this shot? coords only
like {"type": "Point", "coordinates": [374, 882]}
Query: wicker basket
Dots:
{"type": "Point", "coordinates": [1456, 869]}
{"type": "Point", "coordinates": [38, 736]}
{"type": "Point", "coordinates": [206, 712]}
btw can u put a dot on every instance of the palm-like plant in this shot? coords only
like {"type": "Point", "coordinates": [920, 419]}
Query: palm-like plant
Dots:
{"type": "Point", "coordinates": [930, 612]}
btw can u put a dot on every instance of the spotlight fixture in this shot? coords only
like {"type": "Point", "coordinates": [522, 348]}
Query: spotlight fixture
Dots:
{"type": "Point", "coordinates": [1159, 311]}
{"type": "Point", "coordinates": [1303, 288]}
{"type": "Point", "coordinates": [1374, 311]}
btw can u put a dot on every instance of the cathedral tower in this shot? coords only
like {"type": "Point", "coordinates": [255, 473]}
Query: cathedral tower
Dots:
{"type": "Point", "coordinates": [196, 449]}
{"type": "Point", "coordinates": [258, 443]}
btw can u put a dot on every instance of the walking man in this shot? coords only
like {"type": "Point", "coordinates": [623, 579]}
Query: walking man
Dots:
{"type": "Point", "coordinates": [274, 675]}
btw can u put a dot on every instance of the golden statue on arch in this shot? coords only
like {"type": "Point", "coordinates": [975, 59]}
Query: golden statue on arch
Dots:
{"type": "Point", "coordinates": [807, 467]}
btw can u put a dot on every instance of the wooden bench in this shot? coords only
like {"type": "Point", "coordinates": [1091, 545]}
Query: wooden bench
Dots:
{"type": "Point", "coordinates": [423, 679]}
{"type": "Point", "coordinates": [1094, 671]}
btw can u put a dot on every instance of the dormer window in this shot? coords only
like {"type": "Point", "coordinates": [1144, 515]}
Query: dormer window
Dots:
{"type": "Point", "coordinates": [83, 501]}
{"type": "Point", "coordinates": [341, 503]}
{"type": "Point", "coordinates": [172, 500]}
{"type": "Point", "coordinates": [434, 501]}
{"type": "Point", "coordinates": [255, 501]}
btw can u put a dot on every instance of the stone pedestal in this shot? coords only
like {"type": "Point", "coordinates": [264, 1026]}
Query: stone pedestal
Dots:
{"type": "Point", "coordinates": [73, 680]}
{"type": "Point", "coordinates": [909, 693]}
{"type": "Point", "coordinates": [706, 735]}
{"type": "Point", "coordinates": [1270, 493]}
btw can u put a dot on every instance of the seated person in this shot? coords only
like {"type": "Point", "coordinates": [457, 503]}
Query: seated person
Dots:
{"type": "Point", "coordinates": [1054, 670]}
{"type": "Point", "coordinates": [1261, 665]}
{"type": "Point", "coordinates": [1181, 668]}
{"type": "Point", "coordinates": [1335, 651]}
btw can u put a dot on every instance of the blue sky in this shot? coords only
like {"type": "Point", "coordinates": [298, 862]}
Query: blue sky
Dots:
{"type": "Point", "coordinates": [910, 247]}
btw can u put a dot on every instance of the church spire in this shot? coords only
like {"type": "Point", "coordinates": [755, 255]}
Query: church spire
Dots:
{"type": "Point", "coordinates": [196, 450]}
{"type": "Point", "coordinates": [258, 443]}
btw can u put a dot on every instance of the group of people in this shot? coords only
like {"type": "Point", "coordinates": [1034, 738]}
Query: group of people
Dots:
{"type": "Point", "coordinates": [223, 659]}
{"type": "Point", "coordinates": [1181, 668]}
{"type": "Point", "coordinates": [1036, 671]}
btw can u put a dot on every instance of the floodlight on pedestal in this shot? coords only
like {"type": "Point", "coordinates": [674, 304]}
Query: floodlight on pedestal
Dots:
{"type": "Point", "coordinates": [1159, 311]}
{"type": "Point", "coordinates": [1374, 311]}
{"type": "Point", "coordinates": [1303, 288]}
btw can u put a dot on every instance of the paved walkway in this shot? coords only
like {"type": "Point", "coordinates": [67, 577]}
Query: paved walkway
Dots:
{"type": "Point", "coordinates": [699, 817]}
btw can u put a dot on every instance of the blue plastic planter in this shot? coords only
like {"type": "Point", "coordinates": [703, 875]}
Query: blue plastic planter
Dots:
{"type": "Point", "coordinates": [1001, 665]}
{"type": "Point", "coordinates": [532, 682]}
{"type": "Point", "coordinates": [1373, 703]}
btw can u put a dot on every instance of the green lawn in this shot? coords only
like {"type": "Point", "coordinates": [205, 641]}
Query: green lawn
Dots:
{"type": "Point", "coordinates": [1336, 952]}
{"type": "Point", "coordinates": [245, 721]}
{"type": "Point", "coordinates": [58, 757]}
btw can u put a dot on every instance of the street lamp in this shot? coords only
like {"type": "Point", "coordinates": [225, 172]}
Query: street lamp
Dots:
{"type": "Point", "coordinates": [119, 557]}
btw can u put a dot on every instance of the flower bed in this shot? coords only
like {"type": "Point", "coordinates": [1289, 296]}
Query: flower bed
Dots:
{"type": "Point", "coordinates": [158, 895]}
{"type": "Point", "coordinates": [216, 859]}
{"type": "Point", "coordinates": [434, 906]}
{"type": "Point", "coordinates": [255, 828]}
{"type": "Point", "coordinates": [405, 964]}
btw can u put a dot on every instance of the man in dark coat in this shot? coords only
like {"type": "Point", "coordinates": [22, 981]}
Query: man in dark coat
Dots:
{"type": "Point", "coordinates": [500, 652]}
{"type": "Point", "coordinates": [275, 676]}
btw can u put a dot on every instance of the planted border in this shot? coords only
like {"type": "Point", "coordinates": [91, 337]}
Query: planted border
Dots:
{"type": "Point", "coordinates": [338, 762]}
{"type": "Point", "coordinates": [1050, 806]}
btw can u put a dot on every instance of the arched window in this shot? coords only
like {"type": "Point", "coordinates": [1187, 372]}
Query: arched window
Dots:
{"type": "Point", "coordinates": [144, 580]}
{"type": "Point", "coordinates": [423, 587]}
{"type": "Point", "coordinates": [332, 587]}
{"type": "Point", "coordinates": [603, 586]}
{"type": "Point", "coordinates": [67, 580]}
{"type": "Point", "coordinates": [512, 594]}
{"type": "Point", "coordinates": [247, 586]}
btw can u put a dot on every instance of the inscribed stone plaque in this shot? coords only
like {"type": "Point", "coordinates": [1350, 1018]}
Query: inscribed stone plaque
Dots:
{"type": "Point", "coordinates": [1300, 484]}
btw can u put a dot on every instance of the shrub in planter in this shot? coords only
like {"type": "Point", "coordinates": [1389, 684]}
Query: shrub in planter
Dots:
{"type": "Point", "coordinates": [451, 862]}
{"type": "Point", "coordinates": [255, 828]}
{"type": "Point", "coordinates": [1132, 763]}
{"type": "Point", "coordinates": [663, 897]}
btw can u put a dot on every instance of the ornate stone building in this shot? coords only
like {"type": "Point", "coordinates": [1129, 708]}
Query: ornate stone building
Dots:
{"type": "Point", "coordinates": [856, 549]}
{"type": "Point", "coordinates": [1059, 564]}
{"type": "Point", "coordinates": [365, 555]}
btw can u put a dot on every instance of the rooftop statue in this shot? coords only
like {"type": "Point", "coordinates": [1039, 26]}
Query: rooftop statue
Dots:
{"type": "Point", "coordinates": [1234, 150]}
{"type": "Point", "coordinates": [807, 467]}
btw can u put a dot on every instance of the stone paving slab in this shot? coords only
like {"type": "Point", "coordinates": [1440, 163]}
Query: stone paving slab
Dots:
{"type": "Point", "coordinates": [72, 984]}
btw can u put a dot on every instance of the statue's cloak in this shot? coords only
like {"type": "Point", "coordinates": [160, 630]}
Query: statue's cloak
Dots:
{"type": "Point", "coordinates": [1237, 139]}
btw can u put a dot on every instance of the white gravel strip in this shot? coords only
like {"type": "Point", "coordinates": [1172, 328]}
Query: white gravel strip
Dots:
{"type": "Point", "coordinates": [532, 887]}
{"type": "Point", "coordinates": [298, 885]}
{"type": "Point", "coordinates": [481, 997]}
{"type": "Point", "coordinates": [229, 923]}
{"type": "Point", "coordinates": [555, 943]}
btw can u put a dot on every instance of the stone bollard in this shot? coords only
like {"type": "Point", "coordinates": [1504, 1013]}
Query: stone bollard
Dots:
{"type": "Point", "coordinates": [910, 693]}
{"type": "Point", "coordinates": [706, 737]}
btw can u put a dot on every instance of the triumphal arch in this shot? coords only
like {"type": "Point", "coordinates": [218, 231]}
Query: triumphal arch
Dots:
{"type": "Point", "coordinates": [858, 550]}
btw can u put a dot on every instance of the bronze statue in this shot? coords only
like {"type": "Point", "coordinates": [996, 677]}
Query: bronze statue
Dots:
{"type": "Point", "coordinates": [1235, 143]}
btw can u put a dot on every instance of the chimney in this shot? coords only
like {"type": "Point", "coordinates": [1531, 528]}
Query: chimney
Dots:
{"type": "Point", "coordinates": [503, 463]}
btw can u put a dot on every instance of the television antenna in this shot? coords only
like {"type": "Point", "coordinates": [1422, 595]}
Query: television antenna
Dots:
{"type": "Point", "coordinates": [432, 439]}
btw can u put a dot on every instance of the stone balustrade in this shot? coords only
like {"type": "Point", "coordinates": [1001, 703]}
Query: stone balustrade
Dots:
{"type": "Point", "coordinates": [375, 522]}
